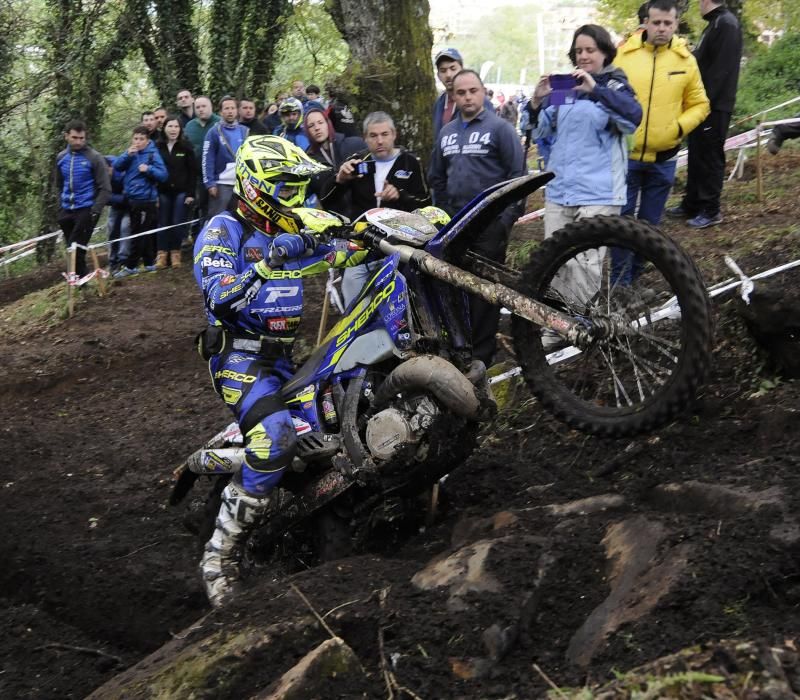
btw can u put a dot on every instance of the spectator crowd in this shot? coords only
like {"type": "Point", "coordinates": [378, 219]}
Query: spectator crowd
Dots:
{"type": "Point", "coordinates": [611, 137]}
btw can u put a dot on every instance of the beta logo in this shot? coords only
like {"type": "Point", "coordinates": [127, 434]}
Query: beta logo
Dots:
{"type": "Point", "coordinates": [216, 262]}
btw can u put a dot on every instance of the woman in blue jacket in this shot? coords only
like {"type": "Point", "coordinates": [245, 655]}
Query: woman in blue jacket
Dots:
{"type": "Point", "coordinates": [587, 129]}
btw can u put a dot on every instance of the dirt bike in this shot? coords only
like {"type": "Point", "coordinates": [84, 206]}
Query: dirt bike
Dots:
{"type": "Point", "coordinates": [391, 400]}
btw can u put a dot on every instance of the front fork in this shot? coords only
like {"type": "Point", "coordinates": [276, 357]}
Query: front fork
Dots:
{"type": "Point", "coordinates": [576, 332]}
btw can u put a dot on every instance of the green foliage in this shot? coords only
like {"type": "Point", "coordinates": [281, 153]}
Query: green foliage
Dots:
{"type": "Point", "coordinates": [514, 47]}
{"type": "Point", "coordinates": [130, 93]}
{"type": "Point", "coordinates": [311, 49]}
{"type": "Point", "coordinates": [242, 44]}
{"type": "Point", "coordinates": [768, 79]}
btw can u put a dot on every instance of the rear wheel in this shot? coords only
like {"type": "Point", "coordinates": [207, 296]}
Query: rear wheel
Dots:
{"type": "Point", "coordinates": [644, 300]}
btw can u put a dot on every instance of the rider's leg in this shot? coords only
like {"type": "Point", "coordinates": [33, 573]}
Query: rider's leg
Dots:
{"type": "Point", "coordinates": [253, 392]}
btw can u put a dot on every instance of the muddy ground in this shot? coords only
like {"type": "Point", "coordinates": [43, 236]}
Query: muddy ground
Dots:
{"type": "Point", "coordinates": [98, 572]}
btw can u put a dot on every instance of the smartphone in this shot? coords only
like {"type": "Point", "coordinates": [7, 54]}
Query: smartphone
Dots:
{"type": "Point", "coordinates": [563, 85]}
{"type": "Point", "coordinates": [563, 81]}
{"type": "Point", "coordinates": [365, 167]}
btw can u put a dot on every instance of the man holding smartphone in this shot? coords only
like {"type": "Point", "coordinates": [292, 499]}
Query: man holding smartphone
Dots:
{"type": "Point", "coordinates": [385, 175]}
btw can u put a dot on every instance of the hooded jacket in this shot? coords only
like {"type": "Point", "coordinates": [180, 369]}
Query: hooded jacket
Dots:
{"type": "Point", "coordinates": [82, 179]}
{"type": "Point", "coordinates": [589, 152]}
{"type": "Point", "coordinates": [138, 186]}
{"type": "Point", "coordinates": [667, 82]}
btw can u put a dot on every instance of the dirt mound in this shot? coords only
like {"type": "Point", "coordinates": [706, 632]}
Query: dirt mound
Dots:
{"type": "Point", "coordinates": [688, 535]}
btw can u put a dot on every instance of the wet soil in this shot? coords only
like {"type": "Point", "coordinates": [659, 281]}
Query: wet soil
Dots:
{"type": "Point", "coordinates": [98, 571]}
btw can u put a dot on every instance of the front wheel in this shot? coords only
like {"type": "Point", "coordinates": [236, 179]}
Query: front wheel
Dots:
{"type": "Point", "coordinates": [643, 301]}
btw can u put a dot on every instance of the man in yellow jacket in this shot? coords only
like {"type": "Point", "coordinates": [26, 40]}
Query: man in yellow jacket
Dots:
{"type": "Point", "coordinates": [667, 82]}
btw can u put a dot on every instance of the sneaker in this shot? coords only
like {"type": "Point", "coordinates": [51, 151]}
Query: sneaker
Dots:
{"type": "Point", "coordinates": [774, 145]}
{"type": "Point", "coordinates": [125, 272]}
{"type": "Point", "coordinates": [704, 220]}
{"type": "Point", "coordinates": [677, 212]}
{"type": "Point", "coordinates": [151, 268]}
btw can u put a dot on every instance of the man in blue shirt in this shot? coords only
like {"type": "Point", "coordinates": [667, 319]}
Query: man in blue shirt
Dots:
{"type": "Point", "coordinates": [84, 188]}
{"type": "Point", "coordinates": [219, 155]}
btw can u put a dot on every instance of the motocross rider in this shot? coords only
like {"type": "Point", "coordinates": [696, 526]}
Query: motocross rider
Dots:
{"type": "Point", "coordinates": [250, 262]}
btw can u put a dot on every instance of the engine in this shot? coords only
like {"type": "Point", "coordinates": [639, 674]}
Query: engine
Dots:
{"type": "Point", "coordinates": [401, 424]}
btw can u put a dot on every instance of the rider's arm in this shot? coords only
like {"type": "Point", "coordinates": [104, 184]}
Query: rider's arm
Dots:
{"type": "Point", "coordinates": [337, 253]}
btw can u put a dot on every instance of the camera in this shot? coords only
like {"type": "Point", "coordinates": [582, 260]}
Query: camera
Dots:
{"type": "Point", "coordinates": [365, 167]}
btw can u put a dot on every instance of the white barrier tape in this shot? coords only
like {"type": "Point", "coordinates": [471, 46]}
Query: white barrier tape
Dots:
{"type": "Point", "coordinates": [530, 216]}
{"type": "Point", "coordinates": [746, 282]}
{"type": "Point", "coordinates": [332, 292]}
{"type": "Point", "coordinates": [667, 310]}
{"type": "Point", "coordinates": [18, 257]}
{"type": "Point", "coordinates": [136, 235]}
{"type": "Point", "coordinates": [74, 281]}
{"type": "Point", "coordinates": [793, 120]}
{"type": "Point", "coordinates": [19, 244]}
{"type": "Point", "coordinates": [769, 109]}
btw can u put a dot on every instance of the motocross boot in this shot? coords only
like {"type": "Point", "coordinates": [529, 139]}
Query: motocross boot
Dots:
{"type": "Point", "coordinates": [239, 513]}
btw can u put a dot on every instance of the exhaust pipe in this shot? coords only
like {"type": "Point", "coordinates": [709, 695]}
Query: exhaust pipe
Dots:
{"type": "Point", "coordinates": [435, 375]}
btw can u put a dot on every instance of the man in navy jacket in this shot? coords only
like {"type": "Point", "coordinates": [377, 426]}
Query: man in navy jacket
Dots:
{"type": "Point", "coordinates": [474, 152]}
{"type": "Point", "coordinates": [82, 181]}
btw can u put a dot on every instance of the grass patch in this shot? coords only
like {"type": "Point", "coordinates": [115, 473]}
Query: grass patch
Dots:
{"type": "Point", "coordinates": [41, 309]}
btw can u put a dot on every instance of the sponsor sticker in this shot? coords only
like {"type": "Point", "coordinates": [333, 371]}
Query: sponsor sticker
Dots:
{"type": "Point", "coordinates": [252, 255]}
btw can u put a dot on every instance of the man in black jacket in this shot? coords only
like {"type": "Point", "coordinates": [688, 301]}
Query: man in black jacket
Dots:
{"type": "Point", "coordinates": [718, 54]}
{"type": "Point", "coordinates": [384, 175]}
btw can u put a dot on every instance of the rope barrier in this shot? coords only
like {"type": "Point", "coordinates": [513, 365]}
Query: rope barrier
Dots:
{"type": "Point", "coordinates": [25, 254]}
{"type": "Point", "coordinates": [767, 111]}
{"type": "Point", "coordinates": [19, 244]}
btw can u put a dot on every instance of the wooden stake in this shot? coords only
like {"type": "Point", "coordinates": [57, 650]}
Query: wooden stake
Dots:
{"type": "Point", "coordinates": [432, 505]}
{"type": "Point", "coordinates": [323, 320]}
{"type": "Point", "coordinates": [70, 280]}
{"type": "Point", "coordinates": [101, 282]}
{"type": "Point", "coordinates": [759, 176]}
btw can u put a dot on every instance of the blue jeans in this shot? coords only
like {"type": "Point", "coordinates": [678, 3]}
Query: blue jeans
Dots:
{"type": "Point", "coordinates": [650, 184]}
{"type": "Point", "coordinates": [119, 226]}
{"type": "Point", "coordinates": [172, 210]}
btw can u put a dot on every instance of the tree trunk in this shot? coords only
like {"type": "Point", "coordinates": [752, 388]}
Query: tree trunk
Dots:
{"type": "Point", "coordinates": [78, 65]}
{"type": "Point", "coordinates": [390, 45]}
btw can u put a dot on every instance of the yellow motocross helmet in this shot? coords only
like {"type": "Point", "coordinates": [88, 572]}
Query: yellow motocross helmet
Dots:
{"type": "Point", "coordinates": [272, 175]}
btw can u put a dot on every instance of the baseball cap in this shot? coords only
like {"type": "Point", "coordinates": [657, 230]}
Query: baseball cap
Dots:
{"type": "Point", "coordinates": [451, 53]}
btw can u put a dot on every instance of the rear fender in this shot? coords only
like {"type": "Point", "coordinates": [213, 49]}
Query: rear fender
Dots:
{"type": "Point", "coordinates": [485, 208]}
